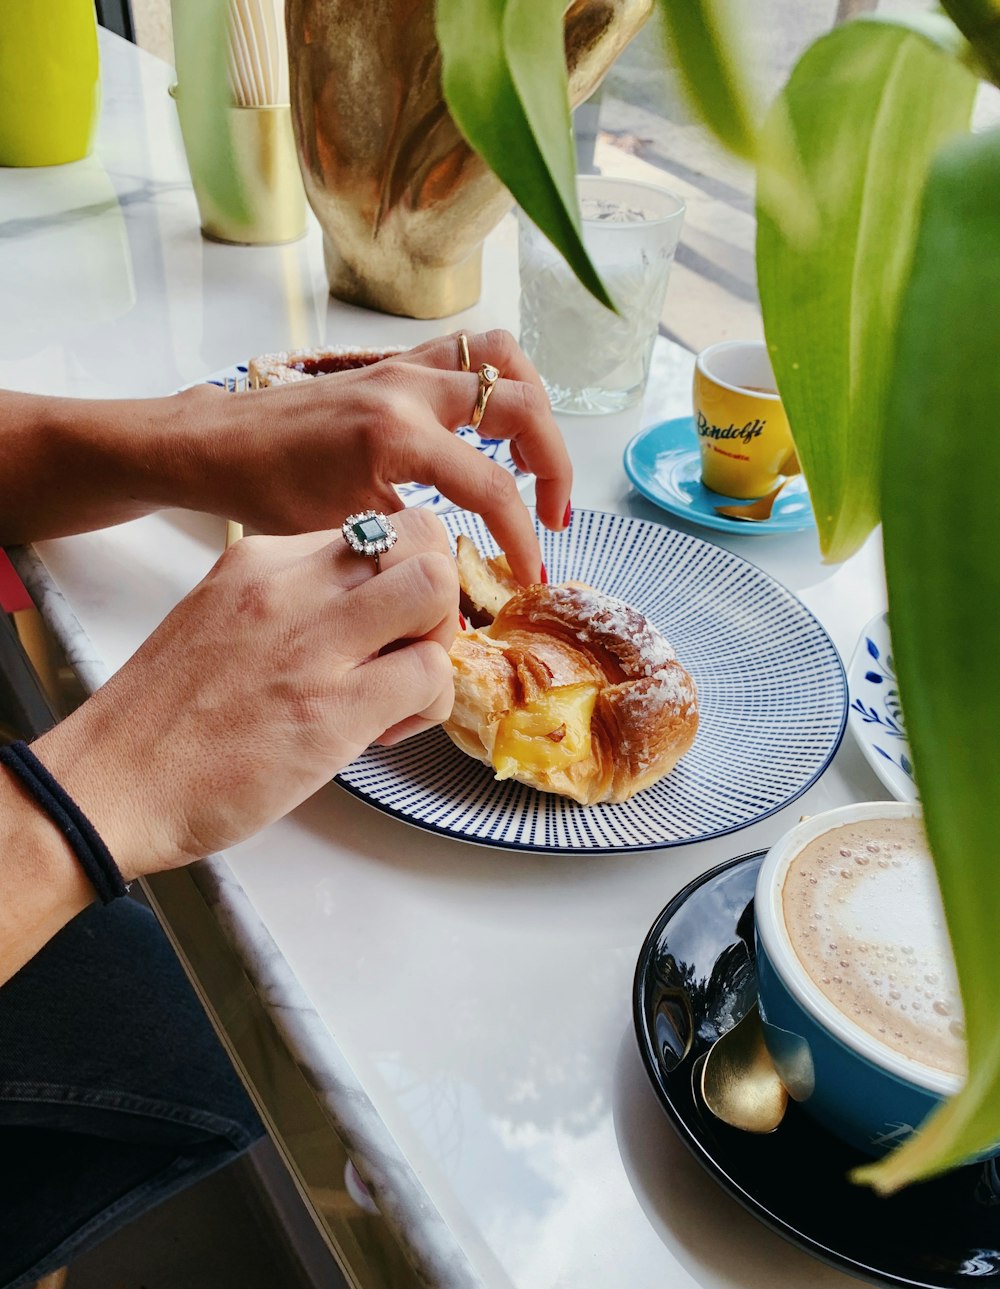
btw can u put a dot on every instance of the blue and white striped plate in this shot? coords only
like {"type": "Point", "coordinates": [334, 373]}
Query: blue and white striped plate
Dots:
{"type": "Point", "coordinates": [771, 688]}
{"type": "Point", "coordinates": [411, 494]}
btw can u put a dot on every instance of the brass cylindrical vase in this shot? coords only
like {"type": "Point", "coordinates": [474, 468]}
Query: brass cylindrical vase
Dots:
{"type": "Point", "coordinates": [403, 201]}
{"type": "Point", "coordinates": [268, 171]}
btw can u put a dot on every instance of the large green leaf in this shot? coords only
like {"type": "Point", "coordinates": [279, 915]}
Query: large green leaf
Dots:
{"type": "Point", "coordinates": [866, 108]}
{"type": "Point", "coordinates": [979, 22]}
{"type": "Point", "coordinates": [712, 68]}
{"type": "Point", "coordinates": [942, 463]}
{"type": "Point", "coordinates": [503, 72]}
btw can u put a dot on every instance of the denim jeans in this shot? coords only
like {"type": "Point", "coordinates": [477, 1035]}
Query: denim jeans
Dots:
{"type": "Point", "coordinates": [114, 1090]}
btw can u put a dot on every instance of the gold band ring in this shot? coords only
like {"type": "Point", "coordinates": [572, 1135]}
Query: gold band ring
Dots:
{"type": "Point", "coordinates": [463, 351]}
{"type": "Point", "coordinates": [369, 533]}
{"type": "Point", "coordinates": [488, 377]}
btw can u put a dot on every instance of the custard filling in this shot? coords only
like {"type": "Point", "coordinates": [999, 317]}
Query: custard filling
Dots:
{"type": "Point", "coordinates": [547, 735]}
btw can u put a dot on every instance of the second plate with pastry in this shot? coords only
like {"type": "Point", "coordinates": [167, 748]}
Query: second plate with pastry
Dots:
{"type": "Point", "coordinates": [771, 697]}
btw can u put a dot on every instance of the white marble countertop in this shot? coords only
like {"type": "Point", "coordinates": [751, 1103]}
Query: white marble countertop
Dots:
{"type": "Point", "coordinates": [465, 1012]}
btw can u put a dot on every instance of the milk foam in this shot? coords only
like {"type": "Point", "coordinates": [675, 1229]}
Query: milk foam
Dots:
{"type": "Point", "coordinates": [863, 913]}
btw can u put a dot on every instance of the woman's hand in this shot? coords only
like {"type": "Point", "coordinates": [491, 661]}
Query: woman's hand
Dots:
{"type": "Point", "coordinates": [303, 456]}
{"type": "Point", "coordinates": [292, 459]}
{"type": "Point", "coordinates": [277, 670]}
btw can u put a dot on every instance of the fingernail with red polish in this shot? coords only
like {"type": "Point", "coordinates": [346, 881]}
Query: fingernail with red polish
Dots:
{"type": "Point", "coordinates": [461, 621]}
{"type": "Point", "coordinates": [543, 576]}
{"type": "Point", "coordinates": [568, 515]}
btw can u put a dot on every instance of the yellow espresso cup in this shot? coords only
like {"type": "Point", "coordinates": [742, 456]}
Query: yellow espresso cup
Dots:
{"type": "Point", "coordinates": [746, 445]}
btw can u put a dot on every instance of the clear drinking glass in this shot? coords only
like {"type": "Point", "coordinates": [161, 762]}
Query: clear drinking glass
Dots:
{"type": "Point", "coordinates": [590, 359]}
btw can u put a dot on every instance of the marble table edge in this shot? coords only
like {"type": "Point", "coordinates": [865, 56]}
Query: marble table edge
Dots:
{"type": "Point", "coordinates": [421, 1230]}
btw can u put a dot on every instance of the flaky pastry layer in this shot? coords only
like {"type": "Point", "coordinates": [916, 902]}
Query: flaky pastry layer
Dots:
{"type": "Point", "coordinates": [303, 364]}
{"type": "Point", "coordinates": [562, 656]}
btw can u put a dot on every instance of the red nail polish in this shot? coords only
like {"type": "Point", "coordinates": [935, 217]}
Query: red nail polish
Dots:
{"type": "Point", "coordinates": [543, 576]}
{"type": "Point", "coordinates": [461, 621]}
{"type": "Point", "coordinates": [568, 515]}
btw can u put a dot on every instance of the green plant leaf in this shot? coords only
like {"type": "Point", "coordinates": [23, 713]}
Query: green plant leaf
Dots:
{"type": "Point", "coordinates": [712, 68]}
{"type": "Point", "coordinates": [504, 78]}
{"type": "Point", "coordinates": [979, 22]}
{"type": "Point", "coordinates": [936, 27]}
{"type": "Point", "coordinates": [204, 99]}
{"type": "Point", "coordinates": [942, 462]}
{"type": "Point", "coordinates": [866, 108]}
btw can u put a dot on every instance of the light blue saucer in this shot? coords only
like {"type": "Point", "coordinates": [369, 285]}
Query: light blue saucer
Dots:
{"type": "Point", "coordinates": [664, 464]}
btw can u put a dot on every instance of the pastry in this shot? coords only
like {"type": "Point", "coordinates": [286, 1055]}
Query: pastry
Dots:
{"type": "Point", "coordinates": [302, 364]}
{"type": "Point", "coordinates": [566, 689]}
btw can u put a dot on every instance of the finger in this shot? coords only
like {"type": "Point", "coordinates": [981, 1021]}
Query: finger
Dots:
{"type": "Point", "coordinates": [540, 447]}
{"type": "Point", "coordinates": [517, 412]}
{"type": "Point", "coordinates": [416, 599]}
{"type": "Point", "coordinates": [408, 728]}
{"type": "Point", "coordinates": [474, 482]}
{"type": "Point", "coordinates": [274, 553]}
{"type": "Point", "coordinates": [267, 550]}
{"type": "Point", "coordinates": [388, 691]}
{"type": "Point", "coordinates": [417, 530]}
{"type": "Point", "coordinates": [374, 494]}
{"type": "Point", "coordinates": [497, 347]}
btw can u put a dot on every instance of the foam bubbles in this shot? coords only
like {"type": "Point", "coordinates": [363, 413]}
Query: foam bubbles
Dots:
{"type": "Point", "coordinates": [885, 940]}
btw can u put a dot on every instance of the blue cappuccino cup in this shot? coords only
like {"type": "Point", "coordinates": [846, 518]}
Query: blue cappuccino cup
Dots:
{"type": "Point", "coordinates": [859, 1086]}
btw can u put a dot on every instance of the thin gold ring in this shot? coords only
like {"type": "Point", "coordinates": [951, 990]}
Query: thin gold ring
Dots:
{"type": "Point", "coordinates": [463, 351]}
{"type": "Point", "coordinates": [488, 377]}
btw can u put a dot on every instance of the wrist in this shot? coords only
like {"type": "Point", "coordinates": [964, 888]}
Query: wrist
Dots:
{"type": "Point", "coordinates": [41, 884]}
{"type": "Point", "coordinates": [113, 459]}
{"type": "Point", "coordinates": [85, 841]}
{"type": "Point", "coordinates": [143, 454]}
{"type": "Point", "coordinates": [192, 437]}
{"type": "Point", "coordinates": [98, 447]}
{"type": "Point", "coordinates": [72, 465]}
{"type": "Point", "coordinates": [84, 755]}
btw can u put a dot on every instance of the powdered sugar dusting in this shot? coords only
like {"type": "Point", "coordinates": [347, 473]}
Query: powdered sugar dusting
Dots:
{"type": "Point", "coordinates": [606, 620]}
{"type": "Point", "coordinates": [672, 685]}
{"type": "Point", "coordinates": [639, 647]}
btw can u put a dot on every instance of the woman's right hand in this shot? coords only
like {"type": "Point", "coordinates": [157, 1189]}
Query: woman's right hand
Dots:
{"type": "Point", "coordinates": [274, 673]}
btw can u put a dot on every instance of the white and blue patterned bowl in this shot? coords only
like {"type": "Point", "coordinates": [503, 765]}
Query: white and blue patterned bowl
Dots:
{"type": "Point", "coordinates": [876, 714]}
{"type": "Point", "coordinates": [771, 688]}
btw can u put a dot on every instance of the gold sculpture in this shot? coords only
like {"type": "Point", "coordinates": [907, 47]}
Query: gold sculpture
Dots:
{"type": "Point", "coordinates": [403, 201]}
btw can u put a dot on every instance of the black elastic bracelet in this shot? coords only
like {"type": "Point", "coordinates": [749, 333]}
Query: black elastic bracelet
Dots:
{"type": "Point", "coordinates": [83, 838]}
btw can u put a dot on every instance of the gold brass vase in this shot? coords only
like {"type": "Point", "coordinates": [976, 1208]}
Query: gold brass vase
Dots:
{"type": "Point", "coordinates": [403, 201]}
{"type": "Point", "coordinates": [265, 162]}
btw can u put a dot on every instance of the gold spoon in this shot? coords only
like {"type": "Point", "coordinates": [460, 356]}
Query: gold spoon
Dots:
{"type": "Point", "coordinates": [738, 1081]}
{"type": "Point", "coordinates": [757, 510]}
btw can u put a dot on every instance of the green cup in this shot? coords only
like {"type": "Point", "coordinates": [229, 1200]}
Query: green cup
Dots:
{"type": "Point", "coordinates": [49, 81]}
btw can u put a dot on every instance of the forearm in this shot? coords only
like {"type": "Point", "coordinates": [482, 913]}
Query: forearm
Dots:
{"type": "Point", "coordinates": [41, 883]}
{"type": "Point", "coordinates": [70, 465]}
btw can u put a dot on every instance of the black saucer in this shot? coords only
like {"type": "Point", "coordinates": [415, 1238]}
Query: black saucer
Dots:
{"type": "Point", "coordinates": [694, 979]}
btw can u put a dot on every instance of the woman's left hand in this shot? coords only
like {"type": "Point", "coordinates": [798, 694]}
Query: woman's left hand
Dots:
{"type": "Point", "coordinates": [301, 457]}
